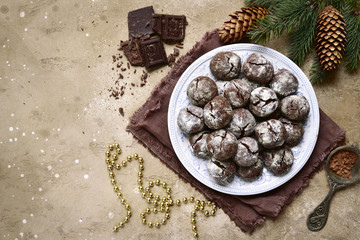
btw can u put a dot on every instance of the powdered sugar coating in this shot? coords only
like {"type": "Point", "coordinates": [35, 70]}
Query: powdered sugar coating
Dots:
{"type": "Point", "coordinates": [237, 92]}
{"type": "Point", "coordinates": [270, 133]}
{"type": "Point", "coordinates": [191, 119]}
{"type": "Point", "coordinates": [247, 152]}
{"type": "Point", "coordinates": [279, 161]}
{"type": "Point", "coordinates": [263, 101]}
{"type": "Point", "coordinates": [222, 144]}
{"type": "Point", "coordinates": [221, 87]}
{"type": "Point", "coordinates": [198, 144]}
{"type": "Point", "coordinates": [258, 69]}
{"type": "Point", "coordinates": [284, 83]}
{"type": "Point", "coordinates": [225, 66]}
{"type": "Point", "coordinates": [221, 170]}
{"type": "Point", "coordinates": [242, 124]}
{"type": "Point", "coordinates": [217, 113]}
{"type": "Point", "coordinates": [201, 90]}
{"type": "Point", "coordinates": [294, 131]}
{"type": "Point", "coordinates": [251, 172]}
{"type": "Point", "coordinates": [295, 107]}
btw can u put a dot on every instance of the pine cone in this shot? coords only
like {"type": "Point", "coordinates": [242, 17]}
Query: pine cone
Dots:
{"type": "Point", "coordinates": [330, 38]}
{"type": "Point", "coordinates": [239, 24]}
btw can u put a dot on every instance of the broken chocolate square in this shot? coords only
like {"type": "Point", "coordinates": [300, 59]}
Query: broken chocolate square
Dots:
{"type": "Point", "coordinates": [153, 53]}
{"type": "Point", "coordinates": [132, 52]}
{"type": "Point", "coordinates": [169, 27]}
{"type": "Point", "coordinates": [139, 22]}
{"type": "Point", "coordinates": [157, 23]}
{"type": "Point", "coordinates": [174, 29]}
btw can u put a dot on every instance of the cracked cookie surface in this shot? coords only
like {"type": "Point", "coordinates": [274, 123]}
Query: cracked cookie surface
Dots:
{"type": "Point", "coordinates": [295, 107]}
{"type": "Point", "coordinates": [222, 144]}
{"type": "Point", "coordinates": [270, 133]}
{"type": "Point", "coordinates": [263, 102]}
{"type": "Point", "coordinates": [242, 124]}
{"type": "Point", "coordinates": [191, 119]}
{"type": "Point", "coordinates": [217, 113]}
{"type": "Point", "coordinates": [278, 161]}
{"type": "Point", "coordinates": [258, 69]}
{"type": "Point", "coordinates": [247, 152]}
{"type": "Point", "coordinates": [237, 92]}
{"type": "Point", "coordinates": [201, 90]}
{"type": "Point", "coordinates": [225, 66]}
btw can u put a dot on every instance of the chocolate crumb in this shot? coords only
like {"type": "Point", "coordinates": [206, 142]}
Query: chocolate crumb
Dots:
{"type": "Point", "coordinates": [176, 52]}
{"type": "Point", "coordinates": [171, 59]}
{"type": "Point", "coordinates": [121, 111]}
{"type": "Point", "coordinates": [99, 56]}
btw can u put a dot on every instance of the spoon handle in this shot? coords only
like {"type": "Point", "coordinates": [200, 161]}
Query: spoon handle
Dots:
{"type": "Point", "coordinates": [317, 219]}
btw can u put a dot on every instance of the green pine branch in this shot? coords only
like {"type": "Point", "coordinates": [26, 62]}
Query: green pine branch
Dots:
{"type": "Point", "coordinates": [287, 16]}
{"type": "Point", "coordinates": [302, 38]}
{"type": "Point", "coordinates": [352, 51]}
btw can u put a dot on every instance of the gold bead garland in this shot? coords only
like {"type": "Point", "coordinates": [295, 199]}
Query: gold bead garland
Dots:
{"type": "Point", "coordinates": [156, 203]}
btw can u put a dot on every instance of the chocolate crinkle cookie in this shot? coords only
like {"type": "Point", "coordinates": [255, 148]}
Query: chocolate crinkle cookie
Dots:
{"type": "Point", "coordinates": [217, 113]}
{"type": "Point", "coordinates": [279, 160]}
{"type": "Point", "coordinates": [284, 83]}
{"type": "Point", "coordinates": [247, 152]}
{"type": "Point", "coordinates": [242, 124]}
{"type": "Point", "coordinates": [198, 144]}
{"type": "Point", "coordinates": [225, 66]}
{"type": "Point", "coordinates": [201, 90]}
{"type": "Point", "coordinates": [263, 102]}
{"type": "Point", "coordinates": [251, 172]}
{"type": "Point", "coordinates": [294, 131]}
{"type": "Point", "coordinates": [237, 92]}
{"type": "Point", "coordinates": [222, 144]}
{"type": "Point", "coordinates": [221, 171]}
{"type": "Point", "coordinates": [258, 69]}
{"type": "Point", "coordinates": [270, 133]}
{"type": "Point", "coordinates": [191, 119]}
{"type": "Point", "coordinates": [295, 107]}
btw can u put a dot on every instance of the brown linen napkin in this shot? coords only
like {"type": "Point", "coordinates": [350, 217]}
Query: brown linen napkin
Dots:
{"type": "Point", "coordinates": [149, 126]}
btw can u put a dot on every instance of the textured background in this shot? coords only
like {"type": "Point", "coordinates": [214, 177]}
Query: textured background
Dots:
{"type": "Point", "coordinates": [57, 118]}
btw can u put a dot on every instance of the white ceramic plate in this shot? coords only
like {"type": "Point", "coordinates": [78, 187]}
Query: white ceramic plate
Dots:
{"type": "Point", "coordinates": [197, 166]}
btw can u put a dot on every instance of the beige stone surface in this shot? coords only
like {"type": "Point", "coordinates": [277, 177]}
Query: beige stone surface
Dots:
{"type": "Point", "coordinates": [57, 119]}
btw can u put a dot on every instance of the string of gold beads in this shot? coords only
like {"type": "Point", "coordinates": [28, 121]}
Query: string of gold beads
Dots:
{"type": "Point", "coordinates": [155, 203]}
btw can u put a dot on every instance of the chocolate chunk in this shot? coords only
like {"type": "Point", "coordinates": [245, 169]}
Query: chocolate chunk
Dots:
{"type": "Point", "coordinates": [169, 27]}
{"type": "Point", "coordinates": [132, 52]}
{"type": "Point", "coordinates": [153, 53]}
{"type": "Point", "coordinates": [139, 22]}
{"type": "Point", "coordinates": [174, 27]}
{"type": "Point", "coordinates": [156, 23]}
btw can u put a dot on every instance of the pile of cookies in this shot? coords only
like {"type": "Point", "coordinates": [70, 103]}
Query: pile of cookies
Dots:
{"type": "Point", "coordinates": [243, 121]}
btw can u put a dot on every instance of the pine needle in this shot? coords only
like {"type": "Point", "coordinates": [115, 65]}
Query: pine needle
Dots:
{"type": "Point", "coordinates": [316, 74]}
{"type": "Point", "coordinates": [268, 4]}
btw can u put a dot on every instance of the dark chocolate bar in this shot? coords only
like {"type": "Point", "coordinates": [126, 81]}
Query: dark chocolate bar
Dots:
{"type": "Point", "coordinates": [139, 22]}
{"type": "Point", "coordinates": [153, 53]}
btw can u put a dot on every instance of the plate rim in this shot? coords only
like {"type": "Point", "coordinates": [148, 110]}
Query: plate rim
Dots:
{"type": "Point", "coordinates": [255, 48]}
